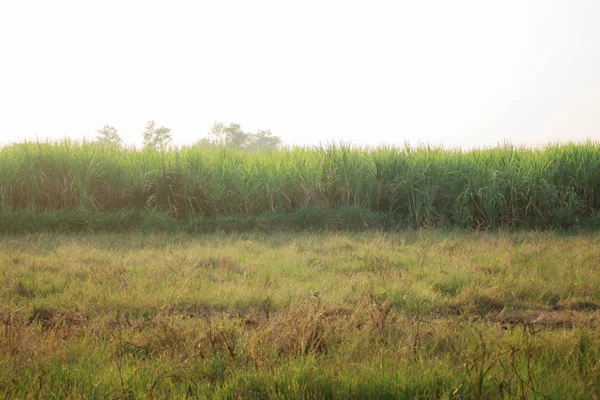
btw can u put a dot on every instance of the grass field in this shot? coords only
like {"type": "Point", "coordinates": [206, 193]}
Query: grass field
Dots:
{"type": "Point", "coordinates": [299, 273]}
{"type": "Point", "coordinates": [429, 314]}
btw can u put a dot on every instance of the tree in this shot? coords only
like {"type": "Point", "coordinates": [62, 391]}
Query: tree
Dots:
{"type": "Point", "coordinates": [228, 136]}
{"type": "Point", "coordinates": [233, 136]}
{"type": "Point", "coordinates": [157, 138]}
{"type": "Point", "coordinates": [108, 137]}
{"type": "Point", "coordinates": [263, 140]}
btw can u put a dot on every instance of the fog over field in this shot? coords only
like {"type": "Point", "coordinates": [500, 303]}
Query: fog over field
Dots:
{"type": "Point", "coordinates": [463, 73]}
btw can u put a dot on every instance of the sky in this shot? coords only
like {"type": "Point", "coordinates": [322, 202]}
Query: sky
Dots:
{"type": "Point", "coordinates": [452, 73]}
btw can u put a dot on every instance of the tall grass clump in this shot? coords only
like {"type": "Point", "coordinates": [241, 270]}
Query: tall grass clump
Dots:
{"type": "Point", "coordinates": [556, 186]}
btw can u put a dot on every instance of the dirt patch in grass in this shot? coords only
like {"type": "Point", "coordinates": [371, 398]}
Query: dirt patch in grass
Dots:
{"type": "Point", "coordinates": [56, 319]}
{"type": "Point", "coordinates": [547, 318]}
{"type": "Point", "coordinates": [580, 305]}
{"type": "Point", "coordinates": [219, 263]}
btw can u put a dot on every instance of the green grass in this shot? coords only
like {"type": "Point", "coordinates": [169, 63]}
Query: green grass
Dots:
{"type": "Point", "coordinates": [414, 314]}
{"type": "Point", "coordinates": [557, 186]}
{"type": "Point", "coordinates": [351, 218]}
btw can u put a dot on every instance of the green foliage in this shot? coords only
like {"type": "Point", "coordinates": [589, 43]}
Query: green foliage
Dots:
{"type": "Point", "coordinates": [557, 186]}
{"type": "Point", "coordinates": [109, 137]}
{"type": "Point", "coordinates": [348, 218]}
{"type": "Point", "coordinates": [233, 136]}
{"type": "Point", "coordinates": [157, 138]}
{"type": "Point", "coordinates": [263, 140]}
{"type": "Point", "coordinates": [229, 136]}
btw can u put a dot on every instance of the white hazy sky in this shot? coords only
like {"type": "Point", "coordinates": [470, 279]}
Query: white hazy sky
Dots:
{"type": "Point", "coordinates": [458, 73]}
